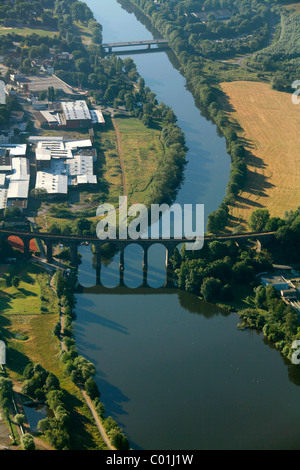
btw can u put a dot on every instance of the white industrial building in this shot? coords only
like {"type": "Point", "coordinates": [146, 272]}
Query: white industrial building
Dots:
{"type": "Point", "coordinates": [52, 183]}
{"type": "Point", "coordinates": [63, 164]}
{"type": "Point", "coordinates": [14, 176]}
{"type": "Point", "coordinates": [67, 115]}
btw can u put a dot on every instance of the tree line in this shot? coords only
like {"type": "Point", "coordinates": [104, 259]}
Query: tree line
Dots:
{"type": "Point", "coordinates": [79, 369]}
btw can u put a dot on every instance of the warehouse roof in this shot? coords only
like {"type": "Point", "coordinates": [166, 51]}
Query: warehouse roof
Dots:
{"type": "Point", "coordinates": [54, 184]}
{"type": "Point", "coordinates": [18, 189]}
{"type": "Point", "coordinates": [76, 110]}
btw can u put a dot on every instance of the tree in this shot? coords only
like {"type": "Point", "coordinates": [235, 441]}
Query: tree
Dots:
{"type": "Point", "coordinates": [118, 439]}
{"type": "Point", "coordinates": [210, 288]}
{"type": "Point", "coordinates": [147, 120]}
{"type": "Point", "coordinates": [19, 419]}
{"type": "Point", "coordinates": [84, 369]}
{"type": "Point", "coordinates": [16, 281]}
{"type": "Point", "coordinates": [91, 388]}
{"type": "Point", "coordinates": [258, 220]}
{"type": "Point", "coordinates": [82, 225]}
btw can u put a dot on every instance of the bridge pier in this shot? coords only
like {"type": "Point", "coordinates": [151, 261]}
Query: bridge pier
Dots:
{"type": "Point", "coordinates": [74, 254]}
{"type": "Point", "coordinates": [98, 264]}
{"type": "Point", "coordinates": [169, 267]}
{"type": "Point", "coordinates": [49, 248]}
{"type": "Point", "coordinates": [26, 253]}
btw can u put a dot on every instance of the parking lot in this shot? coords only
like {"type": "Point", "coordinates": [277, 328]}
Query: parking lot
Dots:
{"type": "Point", "coordinates": [40, 83]}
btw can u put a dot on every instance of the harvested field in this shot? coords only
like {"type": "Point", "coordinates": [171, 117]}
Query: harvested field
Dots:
{"type": "Point", "coordinates": [268, 125]}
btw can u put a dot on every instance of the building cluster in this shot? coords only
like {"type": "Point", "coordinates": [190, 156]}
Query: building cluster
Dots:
{"type": "Point", "coordinates": [67, 115]}
{"type": "Point", "coordinates": [14, 177]}
{"type": "Point", "coordinates": [60, 165]}
{"type": "Point", "coordinates": [287, 285]}
{"type": "Point", "coordinates": [63, 164]}
{"type": "Point", "coordinates": [46, 64]}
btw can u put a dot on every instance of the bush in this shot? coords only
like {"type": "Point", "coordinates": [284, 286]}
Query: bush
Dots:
{"type": "Point", "coordinates": [27, 442]}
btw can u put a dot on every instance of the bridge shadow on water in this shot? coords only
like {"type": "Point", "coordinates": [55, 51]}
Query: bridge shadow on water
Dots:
{"type": "Point", "coordinates": [138, 51]}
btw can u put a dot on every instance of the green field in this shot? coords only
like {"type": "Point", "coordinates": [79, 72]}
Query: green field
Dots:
{"type": "Point", "coordinates": [27, 31]}
{"type": "Point", "coordinates": [33, 295]}
{"type": "Point", "coordinates": [142, 151]}
{"type": "Point", "coordinates": [137, 157]}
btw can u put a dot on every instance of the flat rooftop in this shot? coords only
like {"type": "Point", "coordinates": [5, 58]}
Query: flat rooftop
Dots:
{"type": "Point", "coordinates": [76, 110]}
{"type": "Point", "coordinates": [53, 184]}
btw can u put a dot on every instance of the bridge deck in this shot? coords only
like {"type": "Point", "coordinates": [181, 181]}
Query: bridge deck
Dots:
{"type": "Point", "coordinates": [150, 42]}
{"type": "Point", "coordinates": [94, 239]}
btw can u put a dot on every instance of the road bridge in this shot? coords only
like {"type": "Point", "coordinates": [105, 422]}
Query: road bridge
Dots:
{"type": "Point", "coordinates": [149, 43]}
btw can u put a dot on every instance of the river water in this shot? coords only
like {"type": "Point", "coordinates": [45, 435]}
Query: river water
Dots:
{"type": "Point", "coordinates": [175, 372]}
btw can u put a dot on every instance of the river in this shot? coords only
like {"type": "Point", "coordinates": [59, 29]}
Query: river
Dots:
{"type": "Point", "coordinates": [176, 372]}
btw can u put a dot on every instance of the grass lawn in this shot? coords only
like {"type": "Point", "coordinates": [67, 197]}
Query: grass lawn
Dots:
{"type": "Point", "coordinates": [27, 31]}
{"type": "Point", "coordinates": [268, 125]}
{"type": "Point", "coordinates": [84, 32]}
{"type": "Point", "coordinates": [33, 295]}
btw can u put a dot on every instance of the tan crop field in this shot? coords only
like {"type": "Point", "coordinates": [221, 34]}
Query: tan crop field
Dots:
{"type": "Point", "coordinates": [269, 127]}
